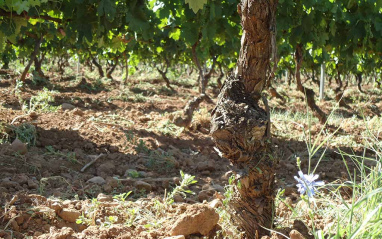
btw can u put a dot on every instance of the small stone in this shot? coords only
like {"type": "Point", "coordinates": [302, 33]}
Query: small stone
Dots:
{"type": "Point", "coordinates": [203, 195]}
{"type": "Point", "coordinates": [97, 180]}
{"type": "Point", "coordinates": [294, 234]}
{"type": "Point", "coordinates": [19, 147]}
{"type": "Point", "coordinates": [67, 106]}
{"type": "Point", "coordinates": [32, 184]}
{"type": "Point", "coordinates": [69, 215]}
{"type": "Point", "coordinates": [143, 185]}
{"type": "Point", "coordinates": [104, 198]}
{"type": "Point", "coordinates": [178, 198]}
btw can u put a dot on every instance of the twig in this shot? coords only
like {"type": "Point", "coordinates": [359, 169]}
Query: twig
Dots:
{"type": "Point", "coordinates": [18, 117]}
{"type": "Point", "coordinates": [145, 179]}
{"type": "Point", "coordinates": [91, 162]}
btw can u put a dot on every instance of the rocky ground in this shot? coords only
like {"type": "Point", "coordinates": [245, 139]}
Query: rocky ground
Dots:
{"type": "Point", "coordinates": [97, 143]}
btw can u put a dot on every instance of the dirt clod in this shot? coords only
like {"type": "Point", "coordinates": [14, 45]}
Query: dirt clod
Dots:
{"type": "Point", "coordinates": [196, 219]}
{"type": "Point", "coordinates": [70, 215]}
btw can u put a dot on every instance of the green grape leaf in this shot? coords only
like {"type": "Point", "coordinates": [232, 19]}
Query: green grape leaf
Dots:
{"type": "Point", "coordinates": [107, 8]}
{"type": "Point", "coordinates": [21, 6]}
{"type": "Point", "coordinates": [189, 33]}
{"type": "Point", "coordinates": [196, 5]}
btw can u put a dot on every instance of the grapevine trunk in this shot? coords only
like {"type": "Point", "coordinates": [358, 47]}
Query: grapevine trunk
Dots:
{"type": "Point", "coordinates": [240, 126]}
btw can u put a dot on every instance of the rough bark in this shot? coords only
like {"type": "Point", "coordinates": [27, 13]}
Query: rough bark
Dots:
{"type": "Point", "coordinates": [309, 93]}
{"type": "Point", "coordinates": [240, 127]}
{"type": "Point", "coordinates": [32, 57]}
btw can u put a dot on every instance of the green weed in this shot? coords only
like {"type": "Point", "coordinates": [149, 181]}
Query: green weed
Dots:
{"type": "Point", "coordinates": [41, 102]}
{"type": "Point", "coordinates": [26, 133]}
{"type": "Point", "coordinates": [181, 189]}
{"type": "Point", "coordinates": [70, 156]}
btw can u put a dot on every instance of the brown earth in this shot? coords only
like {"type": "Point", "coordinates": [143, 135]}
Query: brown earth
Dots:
{"type": "Point", "coordinates": [44, 191]}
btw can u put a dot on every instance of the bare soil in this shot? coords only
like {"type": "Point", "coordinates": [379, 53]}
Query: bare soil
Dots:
{"type": "Point", "coordinates": [128, 133]}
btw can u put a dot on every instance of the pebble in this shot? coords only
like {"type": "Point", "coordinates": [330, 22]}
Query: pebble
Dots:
{"type": "Point", "coordinates": [143, 185]}
{"type": "Point", "coordinates": [19, 147]}
{"type": "Point", "coordinates": [97, 180]}
{"type": "Point", "coordinates": [67, 106]}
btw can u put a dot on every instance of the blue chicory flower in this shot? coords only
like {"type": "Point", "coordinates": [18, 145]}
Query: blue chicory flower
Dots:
{"type": "Point", "coordinates": [306, 183]}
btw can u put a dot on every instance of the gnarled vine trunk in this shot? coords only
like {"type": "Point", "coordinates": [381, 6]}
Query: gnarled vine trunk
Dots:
{"type": "Point", "coordinates": [309, 93]}
{"type": "Point", "coordinates": [32, 57]}
{"type": "Point", "coordinates": [240, 127]}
